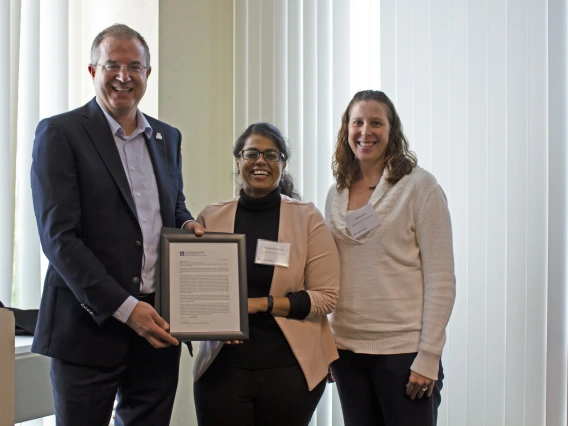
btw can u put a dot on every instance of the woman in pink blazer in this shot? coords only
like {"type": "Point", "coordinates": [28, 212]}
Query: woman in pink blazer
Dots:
{"type": "Point", "coordinates": [278, 376]}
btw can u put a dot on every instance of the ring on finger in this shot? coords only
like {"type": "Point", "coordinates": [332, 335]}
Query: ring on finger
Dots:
{"type": "Point", "coordinates": [424, 389]}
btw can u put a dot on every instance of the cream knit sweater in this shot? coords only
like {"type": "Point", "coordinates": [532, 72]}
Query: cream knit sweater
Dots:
{"type": "Point", "coordinates": [397, 281]}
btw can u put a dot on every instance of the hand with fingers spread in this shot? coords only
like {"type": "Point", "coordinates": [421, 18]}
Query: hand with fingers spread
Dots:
{"type": "Point", "coordinates": [146, 322]}
{"type": "Point", "coordinates": [419, 385]}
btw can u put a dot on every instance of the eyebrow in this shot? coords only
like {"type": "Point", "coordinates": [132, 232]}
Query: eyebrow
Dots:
{"type": "Point", "coordinates": [130, 63]}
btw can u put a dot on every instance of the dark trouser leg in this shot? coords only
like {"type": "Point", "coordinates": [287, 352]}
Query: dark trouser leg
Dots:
{"type": "Point", "coordinates": [282, 398]}
{"type": "Point", "coordinates": [390, 374]}
{"type": "Point", "coordinates": [83, 395]}
{"type": "Point", "coordinates": [147, 392]}
{"type": "Point", "coordinates": [359, 402]}
{"type": "Point", "coordinates": [223, 397]}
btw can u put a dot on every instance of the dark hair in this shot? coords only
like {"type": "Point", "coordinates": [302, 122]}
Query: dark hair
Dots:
{"type": "Point", "coordinates": [399, 160]}
{"type": "Point", "coordinates": [121, 32]}
{"type": "Point", "coordinates": [271, 132]}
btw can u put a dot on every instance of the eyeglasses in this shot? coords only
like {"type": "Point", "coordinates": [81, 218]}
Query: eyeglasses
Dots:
{"type": "Point", "coordinates": [269, 155]}
{"type": "Point", "coordinates": [130, 68]}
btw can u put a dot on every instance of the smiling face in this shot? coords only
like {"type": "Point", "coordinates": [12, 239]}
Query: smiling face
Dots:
{"type": "Point", "coordinates": [119, 93]}
{"type": "Point", "coordinates": [368, 132]}
{"type": "Point", "coordinates": [260, 177]}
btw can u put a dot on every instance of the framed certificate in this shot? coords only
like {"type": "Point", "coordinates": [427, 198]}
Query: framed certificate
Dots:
{"type": "Point", "coordinates": [203, 289]}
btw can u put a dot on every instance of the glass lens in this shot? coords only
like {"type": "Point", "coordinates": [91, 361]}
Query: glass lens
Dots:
{"type": "Point", "coordinates": [271, 155]}
{"type": "Point", "coordinates": [136, 68]}
{"type": "Point", "coordinates": [250, 154]}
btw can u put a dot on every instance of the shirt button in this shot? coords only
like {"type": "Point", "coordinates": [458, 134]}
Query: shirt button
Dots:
{"type": "Point", "coordinates": [138, 244]}
{"type": "Point", "coordinates": [145, 220]}
{"type": "Point", "coordinates": [135, 280]}
{"type": "Point", "coordinates": [138, 194]}
{"type": "Point", "coordinates": [133, 168]}
{"type": "Point", "coordinates": [118, 314]}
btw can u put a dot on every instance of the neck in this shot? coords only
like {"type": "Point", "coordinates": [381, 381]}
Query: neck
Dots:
{"type": "Point", "coordinates": [371, 174]}
{"type": "Point", "coordinates": [127, 123]}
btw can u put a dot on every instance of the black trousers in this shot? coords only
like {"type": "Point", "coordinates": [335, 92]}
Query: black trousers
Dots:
{"type": "Point", "coordinates": [226, 396]}
{"type": "Point", "coordinates": [145, 382]}
{"type": "Point", "coordinates": [372, 391]}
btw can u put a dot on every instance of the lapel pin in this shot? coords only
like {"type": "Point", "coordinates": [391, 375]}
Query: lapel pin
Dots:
{"type": "Point", "coordinates": [158, 136]}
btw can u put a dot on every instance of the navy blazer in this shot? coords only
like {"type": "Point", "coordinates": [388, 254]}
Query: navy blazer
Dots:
{"type": "Point", "coordinates": [90, 233]}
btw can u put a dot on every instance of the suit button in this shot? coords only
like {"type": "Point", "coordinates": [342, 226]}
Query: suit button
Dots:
{"type": "Point", "coordinates": [135, 280]}
{"type": "Point", "coordinates": [138, 244]}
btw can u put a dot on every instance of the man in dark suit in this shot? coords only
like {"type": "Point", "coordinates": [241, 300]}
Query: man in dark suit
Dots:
{"type": "Point", "coordinates": [105, 179]}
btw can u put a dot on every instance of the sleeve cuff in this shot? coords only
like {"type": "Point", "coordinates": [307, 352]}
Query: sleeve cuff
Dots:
{"type": "Point", "coordinates": [123, 312]}
{"type": "Point", "coordinates": [427, 361]}
{"type": "Point", "coordinates": [300, 305]}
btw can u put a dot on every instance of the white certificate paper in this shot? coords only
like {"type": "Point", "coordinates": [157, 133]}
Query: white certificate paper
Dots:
{"type": "Point", "coordinates": [204, 282]}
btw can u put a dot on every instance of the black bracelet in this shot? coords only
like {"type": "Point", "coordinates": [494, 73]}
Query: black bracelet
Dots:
{"type": "Point", "coordinates": [270, 304]}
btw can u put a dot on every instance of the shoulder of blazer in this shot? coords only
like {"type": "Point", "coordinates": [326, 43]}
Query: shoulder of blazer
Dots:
{"type": "Point", "coordinates": [161, 125]}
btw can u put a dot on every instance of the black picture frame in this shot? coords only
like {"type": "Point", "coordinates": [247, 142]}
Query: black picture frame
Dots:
{"type": "Point", "coordinates": [163, 296]}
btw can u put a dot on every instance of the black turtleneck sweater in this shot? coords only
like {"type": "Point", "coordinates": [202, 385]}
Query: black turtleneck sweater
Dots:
{"type": "Point", "coordinates": [259, 218]}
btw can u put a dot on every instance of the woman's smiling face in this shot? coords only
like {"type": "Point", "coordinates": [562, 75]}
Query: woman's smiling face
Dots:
{"type": "Point", "coordinates": [369, 130]}
{"type": "Point", "coordinates": [260, 177]}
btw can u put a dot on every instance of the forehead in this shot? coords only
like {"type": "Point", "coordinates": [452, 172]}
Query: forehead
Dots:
{"type": "Point", "coordinates": [259, 142]}
{"type": "Point", "coordinates": [121, 50]}
{"type": "Point", "coordinates": [369, 109]}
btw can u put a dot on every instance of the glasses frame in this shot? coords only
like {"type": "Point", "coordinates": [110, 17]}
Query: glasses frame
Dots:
{"type": "Point", "coordinates": [129, 71]}
{"type": "Point", "coordinates": [279, 155]}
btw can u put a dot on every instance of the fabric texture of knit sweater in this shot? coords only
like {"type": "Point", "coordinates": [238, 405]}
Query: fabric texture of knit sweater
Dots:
{"type": "Point", "coordinates": [397, 281]}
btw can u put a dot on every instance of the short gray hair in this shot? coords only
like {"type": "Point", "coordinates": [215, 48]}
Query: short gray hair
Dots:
{"type": "Point", "coordinates": [118, 31]}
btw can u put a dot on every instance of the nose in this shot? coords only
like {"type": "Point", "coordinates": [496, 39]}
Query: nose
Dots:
{"type": "Point", "coordinates": [260, 158]}
{"type": "Point", "coordinates": [366, 129]}
{"type": "Point", "coordinates": [123, 74]}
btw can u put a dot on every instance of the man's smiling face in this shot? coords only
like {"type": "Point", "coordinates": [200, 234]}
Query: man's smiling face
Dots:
{"type": "Point", "coordinates": [119, 93]}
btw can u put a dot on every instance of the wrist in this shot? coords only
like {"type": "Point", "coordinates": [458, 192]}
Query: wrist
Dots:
{"type": "Point", "coordinates": [269, 304]}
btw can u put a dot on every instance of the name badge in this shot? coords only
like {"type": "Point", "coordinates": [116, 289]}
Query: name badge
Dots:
{"type": "Point", "coordinates": [272, 253]}
{"type": "Point", "coordinates": [362, 221]}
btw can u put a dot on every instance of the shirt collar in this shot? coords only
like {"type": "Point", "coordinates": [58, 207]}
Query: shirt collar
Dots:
{"type": "Point", "coordinates": [142, 125]}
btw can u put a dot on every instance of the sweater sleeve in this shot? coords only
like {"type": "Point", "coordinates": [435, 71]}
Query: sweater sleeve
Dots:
{"type": "Point", "coordinates": [321, 273]}
{"type": "Point", "coordinates": [434, 236]}
{"type": "Point", "coordinates": [300, 305]}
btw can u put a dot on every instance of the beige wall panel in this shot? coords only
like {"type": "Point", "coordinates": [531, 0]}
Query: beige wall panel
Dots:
{"type": "Point", "coordinates": [196, 93]}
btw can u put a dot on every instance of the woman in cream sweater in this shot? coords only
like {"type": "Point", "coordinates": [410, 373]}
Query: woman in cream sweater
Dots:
{"type": "Point", "coordinates": [397, 271]}
{"type": "Point", "coordinates": [277, 377]}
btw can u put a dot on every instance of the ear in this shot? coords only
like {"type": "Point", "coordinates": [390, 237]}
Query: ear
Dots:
{"type": "Point", "coordinates": [284, 166]}
{"type": "Point", "coordinates": [92, 71]}
{"type": "Point", "coordinates": [237, 164]}
{"type": "Point", "coordinates": [148, 72]}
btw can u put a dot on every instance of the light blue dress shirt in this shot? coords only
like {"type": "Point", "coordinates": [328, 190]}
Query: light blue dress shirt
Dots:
{"type": "Point", "coordinates": [140, 174]}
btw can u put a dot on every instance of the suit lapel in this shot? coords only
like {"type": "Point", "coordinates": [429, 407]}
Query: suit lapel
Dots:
{"type": "Point", "coordinates": [159, 158]}
{"type": "Point", "coordinates": [98, 129]}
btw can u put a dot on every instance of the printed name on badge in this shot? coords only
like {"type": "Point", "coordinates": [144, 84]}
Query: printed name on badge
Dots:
{"type": "Point", "coordinates": [272, 253]}
{"type": "Point", "coordinates": [362, 221]}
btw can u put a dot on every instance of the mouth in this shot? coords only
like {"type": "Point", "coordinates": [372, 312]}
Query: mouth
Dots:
{"type": "Point", "coordinates": [122, 89]}
{"type": "Point", "coordinates": [260, 173]}
{"type": "Point", "coordinates": [366, 144]}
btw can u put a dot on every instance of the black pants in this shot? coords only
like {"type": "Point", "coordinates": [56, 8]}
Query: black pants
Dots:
{"type": "Point", "coordinates": [226, 396]}
{"type": "Point", "coordinates": [146, 383]}
{"type": "Point", "coordinates": [372, 391]}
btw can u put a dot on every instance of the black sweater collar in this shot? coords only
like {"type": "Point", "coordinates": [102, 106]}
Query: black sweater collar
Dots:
{"type": "Point", "coordinates": [260, 203]}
